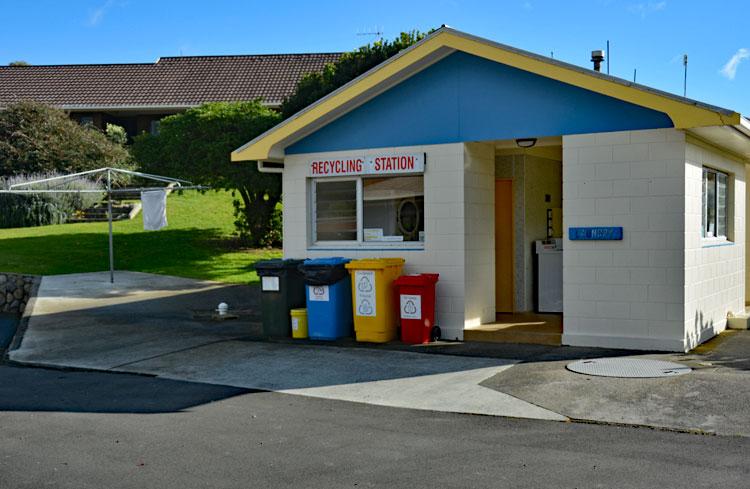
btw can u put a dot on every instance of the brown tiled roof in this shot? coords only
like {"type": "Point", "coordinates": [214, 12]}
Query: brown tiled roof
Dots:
{"type": "Point", "coordinates": [171, 81]}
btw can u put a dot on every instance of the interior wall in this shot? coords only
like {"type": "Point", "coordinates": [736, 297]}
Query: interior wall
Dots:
{"type": "Point", "coordinates": [535, 178]}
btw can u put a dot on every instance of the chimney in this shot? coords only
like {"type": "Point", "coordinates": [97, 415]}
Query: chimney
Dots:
{"type": "Point", "coordinates": [597, 57]}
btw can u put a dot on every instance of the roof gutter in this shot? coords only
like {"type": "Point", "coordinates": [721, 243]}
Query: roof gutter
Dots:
{"type": "Point", "coordinates": [135, 108]}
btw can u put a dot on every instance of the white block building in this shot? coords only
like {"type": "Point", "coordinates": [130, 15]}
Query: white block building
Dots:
{"type": "Point", "coordinates": [459, 154]}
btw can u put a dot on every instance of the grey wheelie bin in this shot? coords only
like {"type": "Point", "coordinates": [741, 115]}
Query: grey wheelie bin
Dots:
{"type": "Point", "coordinates": [282, 289]}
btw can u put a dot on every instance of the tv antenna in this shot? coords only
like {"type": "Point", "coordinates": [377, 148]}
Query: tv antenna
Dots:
{"type": "Point", "coordinates": [376, 31]}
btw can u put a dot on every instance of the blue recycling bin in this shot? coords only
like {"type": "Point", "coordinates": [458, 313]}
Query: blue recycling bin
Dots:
{"type": "Point", "coordinates": [329, 298]}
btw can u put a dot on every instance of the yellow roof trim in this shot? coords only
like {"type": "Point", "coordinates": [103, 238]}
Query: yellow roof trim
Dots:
{"type": "Point", "coordinates": [261, 147]}
{"type": "Point", "coordinates": [684, 113]}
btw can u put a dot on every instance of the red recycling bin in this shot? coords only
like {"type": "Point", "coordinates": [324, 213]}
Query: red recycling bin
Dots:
{"type": "Point", "coordinates": [416, 299]}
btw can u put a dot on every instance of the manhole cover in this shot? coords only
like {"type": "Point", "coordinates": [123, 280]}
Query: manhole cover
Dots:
{"type": "Point", "coordinates": [635, 368]}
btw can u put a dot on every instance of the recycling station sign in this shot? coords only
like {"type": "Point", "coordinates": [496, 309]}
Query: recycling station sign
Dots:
{"type": "Point", "coordinates": [380, 164]}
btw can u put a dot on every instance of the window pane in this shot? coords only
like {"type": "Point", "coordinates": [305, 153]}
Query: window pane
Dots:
{"type": "Point", "coordinates": [336, 211]}
{"type": "Point", "coordinates": [393, 208]}
{"type": "Point", "coordinates": [721, 205]}
{"type": "Point", "coordinates": [710, 204]}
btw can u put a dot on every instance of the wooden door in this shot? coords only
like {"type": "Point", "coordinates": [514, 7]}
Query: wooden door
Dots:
{"type": "Point", "coordinates": [504, 245]}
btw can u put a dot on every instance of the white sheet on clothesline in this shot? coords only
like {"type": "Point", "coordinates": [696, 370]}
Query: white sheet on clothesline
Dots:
{"type": "Point", "coordinates": [154, 209]}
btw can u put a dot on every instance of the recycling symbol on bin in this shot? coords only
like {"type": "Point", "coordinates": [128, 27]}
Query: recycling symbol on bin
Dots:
{"type": "Point", "coordinates": [365, 308]}
{"type": "Point", "coordinates": [410, 307]}
{"type": "Point", "coordinates": [318, 291]}
{"type": "Point", "coordinates": [364, 284]}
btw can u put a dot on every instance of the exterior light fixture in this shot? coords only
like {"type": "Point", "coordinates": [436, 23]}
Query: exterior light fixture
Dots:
{"type": "Point", "coordinates": [526, 142]}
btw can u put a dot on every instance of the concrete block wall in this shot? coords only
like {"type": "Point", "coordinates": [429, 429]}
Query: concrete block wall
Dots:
{"type": "Point", "coordinates": [479, 233]}
{"type": "Point", "coordinates": [627, 293]}
{"type": "Point", "coordinates": [444, 244]}
{"type": "Point", "coordinates": [714, 272]}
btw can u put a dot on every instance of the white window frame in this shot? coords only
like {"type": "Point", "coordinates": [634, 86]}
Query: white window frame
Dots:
{"type": "Point", "coordinates": [716, 240]}
{"type": "Point", "coordinates": [360, 243]}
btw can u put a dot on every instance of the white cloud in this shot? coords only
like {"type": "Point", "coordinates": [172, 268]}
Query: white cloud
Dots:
{"type": "Point", "coordinates": [643, 9]}
{"type": "Point", "coordinates": [730, 69]}
{"type": "Point", "coordinates": [96, 15]}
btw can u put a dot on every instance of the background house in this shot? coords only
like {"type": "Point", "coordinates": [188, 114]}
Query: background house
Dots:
{"type": "Point", "coordinates": [136, 96]}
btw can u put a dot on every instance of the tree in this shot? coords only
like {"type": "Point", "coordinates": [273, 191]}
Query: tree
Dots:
{"type": "Point", "coordinates": [36, 138]}
{"type": "Point", "coordinates": [196, 144]}
{"type": "Point", "coordinates": [20, 62]}
{"type": "Point", "coordinates": [315, 86]}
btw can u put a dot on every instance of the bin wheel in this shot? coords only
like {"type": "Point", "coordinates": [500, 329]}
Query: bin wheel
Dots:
{"type": "Point", "coordinates": [435, 333]}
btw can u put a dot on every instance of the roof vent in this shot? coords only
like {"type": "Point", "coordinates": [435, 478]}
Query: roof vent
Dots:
{"type": "Point", "coordinates": [597, 57]}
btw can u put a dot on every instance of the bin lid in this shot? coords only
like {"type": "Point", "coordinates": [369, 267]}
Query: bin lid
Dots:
{"type": "Point", "coordinates": [330, 262]}
{"type": "Point", "coordinates": [375, 263]}
{"type": "Point", "coordinates": [277, 264]}
{"type": "Point", "coordinates": [417, 279]}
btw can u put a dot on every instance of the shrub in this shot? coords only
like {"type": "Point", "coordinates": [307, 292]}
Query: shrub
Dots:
{"type": "Point", "coordinates": [36, 138]}
{"type": "Point", "coordinates": [25, 210]}
{"type": "Point", "coordinates": [116, 134]}
{"type": "Point", "coordinates": [28, 210]}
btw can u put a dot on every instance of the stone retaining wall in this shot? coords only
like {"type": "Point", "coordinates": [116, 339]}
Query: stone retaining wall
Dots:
{"type": "Point", "coordinates": [15, 291]}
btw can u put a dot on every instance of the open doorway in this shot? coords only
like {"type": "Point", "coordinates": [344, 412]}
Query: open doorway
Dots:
{"type": "Point", "coordinates": [528, 218]}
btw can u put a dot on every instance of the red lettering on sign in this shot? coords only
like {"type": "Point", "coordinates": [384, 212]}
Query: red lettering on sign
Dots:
{"type": "Point", "coordinates": [337, 167]}
{"type": "Point", "coordinates": [357, 166]}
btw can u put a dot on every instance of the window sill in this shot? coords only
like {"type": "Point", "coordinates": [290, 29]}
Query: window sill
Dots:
{"type": "Point", "coordinates": [715, 242]}
{"type": "Point", "coordinates": [368, 246]}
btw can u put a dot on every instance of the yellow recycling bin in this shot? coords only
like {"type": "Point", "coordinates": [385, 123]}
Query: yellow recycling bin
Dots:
{"type": "Point", "coordinates": [373, 299]}
{"type": "Point", "coordinates": [299, 323]}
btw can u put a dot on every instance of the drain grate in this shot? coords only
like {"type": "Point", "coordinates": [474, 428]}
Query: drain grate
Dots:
{"type": "Point", "coordinates": [632, 368]}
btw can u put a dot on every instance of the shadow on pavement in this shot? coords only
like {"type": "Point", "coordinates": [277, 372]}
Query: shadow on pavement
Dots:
{"type": "Point", "coordinates": [729, 350]}
{"type": "Point", "coordinates": [37, 389]}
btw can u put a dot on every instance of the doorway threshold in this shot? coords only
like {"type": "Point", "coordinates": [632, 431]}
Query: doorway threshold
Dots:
{"type": "Point", "coordinates": [523, 327]}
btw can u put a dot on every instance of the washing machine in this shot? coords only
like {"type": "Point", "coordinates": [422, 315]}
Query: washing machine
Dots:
{"type": "Point", "coordinates": [549, 275]}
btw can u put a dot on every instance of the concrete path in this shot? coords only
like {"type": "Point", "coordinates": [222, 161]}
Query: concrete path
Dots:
{"type": "Point", "coordinates": [81, 320]}
{"type": "Point", "coordinates": [714, 398]}
{"type": "Point", "coordinates": [148, 324]}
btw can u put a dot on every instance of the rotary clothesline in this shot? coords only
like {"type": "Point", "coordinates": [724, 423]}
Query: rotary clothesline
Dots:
{"type": "Point", "coordinates": [50, 183]}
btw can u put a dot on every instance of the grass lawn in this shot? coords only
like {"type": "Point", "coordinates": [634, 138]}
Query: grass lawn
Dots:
{"type": "Point", "coordinates": [197, 244]}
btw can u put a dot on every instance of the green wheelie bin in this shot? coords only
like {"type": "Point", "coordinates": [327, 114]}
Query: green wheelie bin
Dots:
{"type": "Point", "coordinates": [282, 289]}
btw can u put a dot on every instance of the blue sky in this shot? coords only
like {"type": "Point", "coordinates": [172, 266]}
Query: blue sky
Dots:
{"type": "Point", "coordinates": [647, 35]}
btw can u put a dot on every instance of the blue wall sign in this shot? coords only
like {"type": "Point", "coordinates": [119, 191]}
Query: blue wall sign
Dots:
{"type": "Point", "coordinates": [595, 234]}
